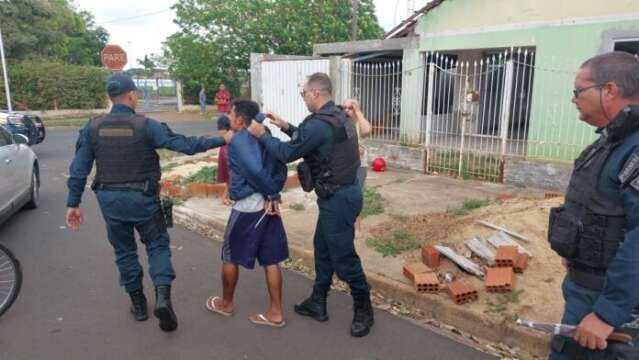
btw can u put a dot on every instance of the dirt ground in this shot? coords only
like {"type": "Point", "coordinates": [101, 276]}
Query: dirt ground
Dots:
{"type": "Point", "coordinates": [538, 289]}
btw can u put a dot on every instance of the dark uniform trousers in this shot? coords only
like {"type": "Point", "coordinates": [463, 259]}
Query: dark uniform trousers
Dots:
{"type": "Point", "coordinates": [334, 242]}
{"type": "Point", "coordinates": [123, 212]}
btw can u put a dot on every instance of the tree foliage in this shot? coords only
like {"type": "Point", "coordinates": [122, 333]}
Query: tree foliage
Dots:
{"type": "Point", "coordinates": [216, 37]}
{"type": "Point", "coordinates": [51, 29]}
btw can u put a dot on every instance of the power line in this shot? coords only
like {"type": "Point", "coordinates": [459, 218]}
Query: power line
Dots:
{"type": "Point", "coordinates": [135, 17]}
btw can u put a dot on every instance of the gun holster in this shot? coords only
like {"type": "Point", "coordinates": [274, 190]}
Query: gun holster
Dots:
{"type": "Point", "coordinates": [304, 176]}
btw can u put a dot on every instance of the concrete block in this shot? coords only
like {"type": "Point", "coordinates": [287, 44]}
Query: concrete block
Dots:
{"type": "Point", "coordinates": [430, 256]}
{"type": "Point", "coordinates": [410, 270]}
{"type": "Point", "coordinates": [500, 279]}
{"type": "Point", "coordinates": [506, 256]}
{"type": "Point", "coordinates": [426, 283]}
{"type": "Point", "coordinates": [521, 263]}
{"type": "Point", "coordinates": [461, 292]}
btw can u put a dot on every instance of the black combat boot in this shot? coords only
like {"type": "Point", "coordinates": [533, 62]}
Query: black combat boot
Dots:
{"type": "Point", "coordinates": [363, 317]}
{"type": "Point", "coordinates": [163, 308]}
{"type": "Point", "coordinates": [138, 305]}
{"type": "Point", "coordinates": [314, 306]}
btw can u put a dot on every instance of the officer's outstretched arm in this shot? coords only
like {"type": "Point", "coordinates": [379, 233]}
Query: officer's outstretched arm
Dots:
{"type": "Point", "coordinates": [163, 137]}
{"type": "Point", "coordinates": [304, 141]}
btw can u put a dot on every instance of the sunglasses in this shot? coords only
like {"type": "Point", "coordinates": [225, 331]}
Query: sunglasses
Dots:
{"type": "Point", "coordinates": [303, 92]}
{"type": "Point", "coordinates": [577, 91]}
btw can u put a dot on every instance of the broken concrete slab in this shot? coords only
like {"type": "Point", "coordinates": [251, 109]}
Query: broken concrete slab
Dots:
{"type": "Point", "coordinates": [463, 262]}
{"type": "Point", "coordinates": [500, 238]}
{"type": "Point", "coordinates": [481, 248]}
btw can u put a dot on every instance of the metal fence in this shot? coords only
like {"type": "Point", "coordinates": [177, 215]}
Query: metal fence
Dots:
{"type": "Point", "coordinates": [156, 94]}
{"type": "Point", "coordinates": [476, 108]}
{"type": "Point", "coordinates": [378, 87]}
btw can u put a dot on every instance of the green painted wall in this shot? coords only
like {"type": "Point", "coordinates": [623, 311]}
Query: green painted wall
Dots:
{"type": "Point", "coordinates": [561, 46]}
{"type": "Point", "coordinates": [453, 15]}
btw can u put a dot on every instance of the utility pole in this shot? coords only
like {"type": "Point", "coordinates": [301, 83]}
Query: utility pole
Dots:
{"type": "Point", "coordinates": [4, 73]}
{"type": "Point", "coordinates": [354, 19]}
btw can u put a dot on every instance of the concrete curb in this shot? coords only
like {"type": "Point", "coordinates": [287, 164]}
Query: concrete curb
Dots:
{"type": "Point", "coordinates": [435, 307]}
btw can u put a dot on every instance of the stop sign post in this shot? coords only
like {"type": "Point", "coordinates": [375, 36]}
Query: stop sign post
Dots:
{"type": "Point", "coordinates": [113, 57]}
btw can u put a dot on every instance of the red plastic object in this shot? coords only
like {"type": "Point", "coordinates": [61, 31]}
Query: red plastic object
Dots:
{"type": "Point", "coordinates": [379, 165]}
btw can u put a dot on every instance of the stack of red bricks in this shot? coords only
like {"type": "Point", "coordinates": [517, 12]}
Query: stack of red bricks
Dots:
{"type": "Point", "coordinates": [425, 279]}
{"type": "Point", "coordinates": [508, 261]}
{"type": "Point", "coordinates": [422, 277]}
{"type": "Point", "coordinates": [500, 278]}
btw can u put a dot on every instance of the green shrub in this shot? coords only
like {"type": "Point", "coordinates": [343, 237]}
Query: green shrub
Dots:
{"type": "Point", "coordinates": [47, 85]}
{"type": "Point", "coordinates": [206, 175]}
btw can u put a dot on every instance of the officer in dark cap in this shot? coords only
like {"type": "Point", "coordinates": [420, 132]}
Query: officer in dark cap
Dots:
{"type": "Point", "coordinates": [596, 230]}
{"type": "Point", "coordinates": [327, 140]}
{"type": "Point", "coordinates": [122, 144]}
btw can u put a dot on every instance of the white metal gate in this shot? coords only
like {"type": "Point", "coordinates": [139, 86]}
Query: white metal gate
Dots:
{"type": "Point", "coordinates": [476, 112]}
{"type": "Point", "coordinates": [378, 87]}
{"type": "Point", "coordinates": [281, 85]}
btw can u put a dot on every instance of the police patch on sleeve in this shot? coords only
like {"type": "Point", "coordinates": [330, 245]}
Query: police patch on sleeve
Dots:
{"type": "Point", "coordinates": [629, 169]}
{"type": "Point", "coordinates": [635, 183]}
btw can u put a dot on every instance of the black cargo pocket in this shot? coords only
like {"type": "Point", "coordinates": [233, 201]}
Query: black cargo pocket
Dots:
{"type": "Point", "coordinates": [152, 228]}
{"type": "Point", "coordinates": [563, 232]}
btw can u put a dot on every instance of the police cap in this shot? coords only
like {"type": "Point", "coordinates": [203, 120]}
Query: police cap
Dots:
{"type": "Point", "coordinates": [119, 84]}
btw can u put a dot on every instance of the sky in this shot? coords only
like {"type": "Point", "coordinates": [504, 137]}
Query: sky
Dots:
{"type": "Point", "coordinates": [140, 27]}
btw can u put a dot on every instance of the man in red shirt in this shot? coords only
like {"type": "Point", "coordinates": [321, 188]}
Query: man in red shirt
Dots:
{"type": "Point", "coordinates": [223, 173]}
{"type": "Point", "coordinates": [223, 100]}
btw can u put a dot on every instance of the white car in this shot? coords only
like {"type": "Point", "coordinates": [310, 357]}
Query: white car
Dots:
{"type": "Point", "coordinates": [19, 174]}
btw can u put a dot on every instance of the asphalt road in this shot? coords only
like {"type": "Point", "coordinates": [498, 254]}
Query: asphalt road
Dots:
{"type": "Point", "coordinates": [71, 306]}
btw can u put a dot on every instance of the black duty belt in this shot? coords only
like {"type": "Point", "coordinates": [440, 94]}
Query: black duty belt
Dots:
{"type": "Point", "coordinates": [587, 279]}
{"type": "Point", "coordinates": [147, 187]}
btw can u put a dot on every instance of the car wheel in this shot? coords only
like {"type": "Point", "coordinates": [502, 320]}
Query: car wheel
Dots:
{"type": "Point", "coordinates": [35, 190]}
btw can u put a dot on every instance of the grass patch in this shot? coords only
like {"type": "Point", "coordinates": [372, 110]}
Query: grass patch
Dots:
{"type": "Point", "coordinates": [394, 245]}
{"type": "Point", "coordinates": [67, 122]}
{"type": "Point", "coordinates": [483, 167]}
{"type": "Point", "coordinates": [169, 167]}
{"type": "Point", "coordinates": [502, 301]}
{"type": "Point", "coordinates": [468, 205]}
{"type": "Point", "coordinates": [471, 204]}
{"type": "Point", "coordinates": [165, 154]}
{"type": "Point", "coordinates": [297, 207]}
{"type": "Point", "coordinates": [206, 175]}
{"type": "Point", "coordinates": [373, 202]}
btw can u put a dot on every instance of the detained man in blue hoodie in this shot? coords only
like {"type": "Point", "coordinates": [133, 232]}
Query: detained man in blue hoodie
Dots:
{"type": "Point", "coordinates": [255, 229]}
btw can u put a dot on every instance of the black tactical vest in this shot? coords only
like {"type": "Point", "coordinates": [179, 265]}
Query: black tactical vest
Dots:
{"type": "Point", "coordinates": [339, 166]}
{"type": "Point", "coordinates": [123, 152]}
{"type": "Point", "coordinates": [589, 227]}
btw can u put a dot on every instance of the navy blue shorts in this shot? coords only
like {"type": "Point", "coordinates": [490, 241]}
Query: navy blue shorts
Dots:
{"type": "Point", "coordinates": [244, 242]}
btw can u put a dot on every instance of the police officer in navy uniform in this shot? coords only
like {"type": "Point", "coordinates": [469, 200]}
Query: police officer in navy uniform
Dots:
{"type": "Point", "coordinates": [596, 230]}
{"type": "Point", "coordinates": [327, 140]}
{"type": "Point", "coordinates": [122, 144]}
